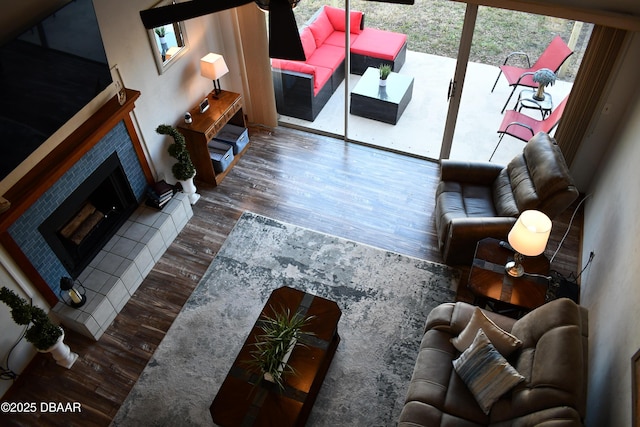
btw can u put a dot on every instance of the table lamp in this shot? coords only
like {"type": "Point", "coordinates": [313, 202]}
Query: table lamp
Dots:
{"type": "Point", "coordinates": [213, 67]}
{"type": "Point", "coordinates": [528, 237]}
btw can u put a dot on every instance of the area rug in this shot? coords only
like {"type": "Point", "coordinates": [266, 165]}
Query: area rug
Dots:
{"type": "Point", "coordinates": [385, 298]}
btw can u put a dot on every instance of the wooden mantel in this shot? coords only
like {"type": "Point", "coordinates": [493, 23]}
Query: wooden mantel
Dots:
{"type": "Point", "coordinates": [43, 175]}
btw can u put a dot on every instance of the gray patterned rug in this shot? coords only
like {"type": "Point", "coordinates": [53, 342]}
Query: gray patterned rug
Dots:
{"type": "Point", "coordinates": [385, 298]}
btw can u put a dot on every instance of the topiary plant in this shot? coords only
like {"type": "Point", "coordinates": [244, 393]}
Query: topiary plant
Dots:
{"type": "Point", "coordinates": [41, 333]}
{"type": "Point", "coordinates": [183, 169]}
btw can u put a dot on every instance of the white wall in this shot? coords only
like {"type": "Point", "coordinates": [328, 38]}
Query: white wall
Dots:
{"type": "Point", "coordinates": [610, 288]}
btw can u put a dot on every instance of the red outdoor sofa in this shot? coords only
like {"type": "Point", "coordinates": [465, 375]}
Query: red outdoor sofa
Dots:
{"type": "Point", "coordinates": [303, 87]}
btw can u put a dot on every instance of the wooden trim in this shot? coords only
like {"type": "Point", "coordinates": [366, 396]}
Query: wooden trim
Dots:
{"type": "Point", "coordinates": [137, 146]}
{"type": "Point", "coordinates": [44, 174]}
{"type": "Point", "coordinates": [620, 20]}
{"type": "Point", "coordinates": [597, 64]}
{"type": "Point", "coordinates": [27, 268]}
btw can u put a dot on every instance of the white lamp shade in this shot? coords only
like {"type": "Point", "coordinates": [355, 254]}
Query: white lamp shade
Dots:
{"type": "Point", "coordinates": [530, 233]}
{"type": "Point", "coordinates": [213, 66]}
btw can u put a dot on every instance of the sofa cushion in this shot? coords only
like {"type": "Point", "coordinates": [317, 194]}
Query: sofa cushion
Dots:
{"type": "Point", "coordinates": [487, 374]}
{"type": "Point", "coordinates": [327, 56]}
{"type": "Point", "coordinates": [321, 28]}
{"type": "Point", "coordinates": [321, 75]}
{"type": "Point", "coordinates": [547, 168]}
{"type": "Point", "coordinates": [336, 16]}
{"type": "Point", "coordinates": [378, 44]}
{"type": "Point", "coordinates": [337, 39]}
{"type": "Point", "coordinates": [308, 42]}
{"type": "Point", "coordinates": [502, 340]}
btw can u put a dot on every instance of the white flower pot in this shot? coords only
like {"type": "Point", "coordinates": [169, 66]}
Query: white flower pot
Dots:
{"type": "Point", "coordinates": [268, 376]}
{"type": "Point", "coordinates": [61, 353]}
{"type": "Point", "coordinates": [189, 188]}
{"type": "Point", "coordinates": [383, 82]}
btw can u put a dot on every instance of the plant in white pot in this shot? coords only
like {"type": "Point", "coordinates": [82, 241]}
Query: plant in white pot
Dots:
{"type": "Point", "coordinates": [385, 70]}
{"type": "Point", "coordinates": [183, 170]}
{"type": "Point", "coordinates": [41, 332]}
{"type": "Point", "coordinates": [273, 347]}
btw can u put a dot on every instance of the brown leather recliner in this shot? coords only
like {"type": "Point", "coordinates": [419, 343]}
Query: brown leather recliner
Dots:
{"type": "Point", "coordinates": [553, 359]}
{"type": "Point", "coordinates": [475, 200]}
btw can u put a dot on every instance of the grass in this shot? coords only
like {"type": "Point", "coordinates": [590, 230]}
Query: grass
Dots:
{"type": "Point", "coordinates": [434, 27]}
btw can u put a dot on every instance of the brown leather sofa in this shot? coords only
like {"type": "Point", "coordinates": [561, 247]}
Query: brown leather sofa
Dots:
{"type": "Point", "coordinates": [475, 200]}
{"type": "Point", "coordinates": [553, 360]}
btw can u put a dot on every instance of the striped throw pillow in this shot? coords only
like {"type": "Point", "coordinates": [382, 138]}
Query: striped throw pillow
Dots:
{"type": "Point", "coordinates": [485, 372]}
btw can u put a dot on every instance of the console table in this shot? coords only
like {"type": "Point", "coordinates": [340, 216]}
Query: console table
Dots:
{"type": "Point", "coordinates": [226, 108]}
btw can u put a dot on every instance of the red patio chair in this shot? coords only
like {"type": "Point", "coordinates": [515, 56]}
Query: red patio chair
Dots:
{"type": "Point", "coordinates": [525, 127]}
{"type": "Point", "coordinates": [552, 58]}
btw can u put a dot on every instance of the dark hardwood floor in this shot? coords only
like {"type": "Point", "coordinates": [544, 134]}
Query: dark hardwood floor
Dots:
{"type": "Point", "coordinates": [360, 193]}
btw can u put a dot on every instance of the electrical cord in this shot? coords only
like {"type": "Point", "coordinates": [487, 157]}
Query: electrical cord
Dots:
{"type": "Point", "coordinates": [569, 228]}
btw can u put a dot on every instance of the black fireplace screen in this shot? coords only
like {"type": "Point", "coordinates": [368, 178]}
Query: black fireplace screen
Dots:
{"type": "Point", "coordinates": [80, 227]}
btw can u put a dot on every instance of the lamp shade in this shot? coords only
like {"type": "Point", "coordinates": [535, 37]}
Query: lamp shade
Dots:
{"type": "Point", "coordinates": [213, 66]}
{"type": "Point", "coordinates": [530, 233]}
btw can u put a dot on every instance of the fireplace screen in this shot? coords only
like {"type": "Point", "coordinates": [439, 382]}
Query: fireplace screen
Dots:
{"type": "Point", "coordinates": [80, 227]}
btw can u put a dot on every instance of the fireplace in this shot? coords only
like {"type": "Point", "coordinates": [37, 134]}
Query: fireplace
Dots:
{"type": "Point", "coordinates": [90, 216]}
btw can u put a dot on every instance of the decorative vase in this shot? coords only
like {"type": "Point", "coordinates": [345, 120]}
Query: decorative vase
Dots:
{"type": "Point", "coordinates": [189, 188]}
{"type": "Point", "coordinates": [539, 96]}
{"type": "Point", "coordinates": [283, 362]}
{"type": "Point", "coordinates": [61, 353]}
{"type": "Point", "coordinates": [383, 82]}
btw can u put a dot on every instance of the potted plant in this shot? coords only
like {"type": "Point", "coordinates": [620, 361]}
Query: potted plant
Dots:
{"type": "Point", "coordinates": [543, 77]}
{"type": "Point", "coordinates": [183, 170]}
{"type": "Point", "coordinates": [274, 345]}
{"type": "Point", "coordinates": [41, 332]}
{"type": "Point", "coordinates": [385, 70]}
{"type": "Point", "coordinates": [161, 33]}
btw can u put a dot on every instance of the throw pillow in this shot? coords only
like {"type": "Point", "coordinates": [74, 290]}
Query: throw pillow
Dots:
{"type": "Point", "coordinates": [503, 341]}
{"type": "Point", "coordinates": [486, 373]}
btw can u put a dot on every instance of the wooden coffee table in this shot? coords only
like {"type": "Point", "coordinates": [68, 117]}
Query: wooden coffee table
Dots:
{"type": "Point", "coordinates": [382, 103]}
{"type": "Point", "coordinates": [490, 283]}
{"type": "Point", "coordinates": [240, 402]}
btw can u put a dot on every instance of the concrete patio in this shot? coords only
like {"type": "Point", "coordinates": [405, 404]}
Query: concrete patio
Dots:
{"type": "Point", "coordinates": [419, 130]}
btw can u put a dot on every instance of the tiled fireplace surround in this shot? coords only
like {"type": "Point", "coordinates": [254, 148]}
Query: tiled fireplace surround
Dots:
{"type": "Point", "coordinates": [119, 268]}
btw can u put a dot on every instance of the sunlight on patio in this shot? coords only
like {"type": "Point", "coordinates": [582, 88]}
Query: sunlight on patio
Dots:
{"type": "Point", "coordinates": [420, 128]}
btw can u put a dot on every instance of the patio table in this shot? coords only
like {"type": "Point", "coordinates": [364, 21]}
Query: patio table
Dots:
{"type": "Point", "coordinates": [382, 103]}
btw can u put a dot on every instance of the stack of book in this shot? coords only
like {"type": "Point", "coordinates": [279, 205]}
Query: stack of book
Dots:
{"type": "Point", "coordinates": [159, 194]}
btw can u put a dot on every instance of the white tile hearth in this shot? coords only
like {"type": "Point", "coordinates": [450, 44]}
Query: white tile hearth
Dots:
{"type": "Point", "coordinates": [120, 267]}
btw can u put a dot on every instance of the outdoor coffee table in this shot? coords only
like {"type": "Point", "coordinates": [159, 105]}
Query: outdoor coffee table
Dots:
{"type": "Point", "coordinates": [240, 402]}
{"type": "Point", "coordinates": [382, 103]}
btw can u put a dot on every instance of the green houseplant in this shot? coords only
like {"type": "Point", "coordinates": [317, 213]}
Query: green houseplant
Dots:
{"type": "Point", "coordinates": [160, 31]}
{"type": "Point", "coordinates": [183, 170]}
{"type": "Point", "coordinates": [41, 332]}
{"type": "Point", "coordinates": [271, 351]}
{"type": "Point", "coordinates": [385, 70]}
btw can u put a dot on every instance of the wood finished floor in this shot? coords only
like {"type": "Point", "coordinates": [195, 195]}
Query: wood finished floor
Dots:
{"type": "Point", "coordinates": [356, 192]}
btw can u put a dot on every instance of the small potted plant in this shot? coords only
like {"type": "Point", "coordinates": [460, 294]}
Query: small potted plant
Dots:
{"type": "Point", "coordinates": [543, 77]}
{"type": "Point", "coordinates": [385, 70]}
{"type": "Point", "coordinates": [41, 332]}
{"type": "Point", "coordinates": [274, 345]}
{"type": "Point", "coordinates": [161, 33]}
{"type": "Point", "coordinates": [183, 170]}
